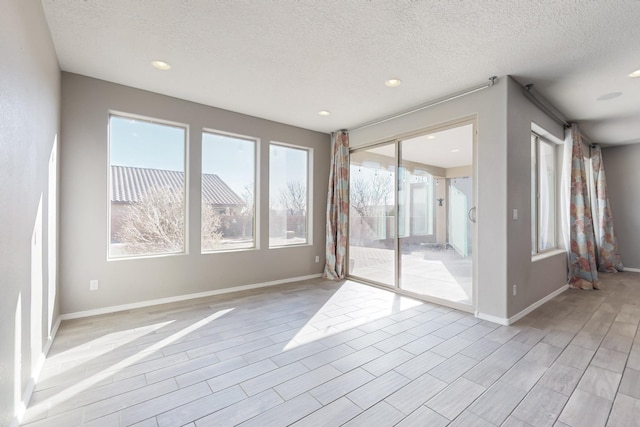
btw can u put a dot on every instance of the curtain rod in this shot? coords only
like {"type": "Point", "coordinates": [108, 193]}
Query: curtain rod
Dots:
{"type": "Point", "coordinates": [492, 81]}
{"type": "Point", "coordinates": [545, 105]}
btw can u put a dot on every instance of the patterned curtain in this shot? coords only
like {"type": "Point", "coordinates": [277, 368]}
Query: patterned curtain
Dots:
{"type": "Point", "coordinates": [565, 193]}
{"type": "Point", "coordinates": [609, 260]}
{"type": "Point", "coordinates": [583, 272]}
{"type": "Point", "coordinates": [337, 207]}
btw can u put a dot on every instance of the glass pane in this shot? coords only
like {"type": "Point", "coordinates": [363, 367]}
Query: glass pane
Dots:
{"type": "Point", "coordinates": [435, 195]}
{"type": "Point", "coordinates": [459, 198]}
{"type": "Point", "coordinates": [228, 189]}
{"type": "Point", "coordinates": [534, 194]}
{"type": "Point", "coordinates": [288, 195]}
{"type": "Point", "coordinates": [372, 214]}
{"type": "Point", "coordinates": [147, 209]}
{"type": "Point", "coordinates": [546, 208]}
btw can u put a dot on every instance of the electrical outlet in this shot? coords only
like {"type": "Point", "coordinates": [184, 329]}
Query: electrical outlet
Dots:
{"type": "Point", "coordinates": [515, 214]}
{"type": "Point", "coordinates": [515, 290]}
{"type": "Point", "coordinates": [317, 258]}
{"type": "Point", "coordinates": [93, 285]}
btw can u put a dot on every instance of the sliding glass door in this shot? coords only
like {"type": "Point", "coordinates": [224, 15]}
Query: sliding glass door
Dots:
{"type": "Point", "coordinates": [372, 221]}
{"type": "Point", "coordinates": [423, 188]}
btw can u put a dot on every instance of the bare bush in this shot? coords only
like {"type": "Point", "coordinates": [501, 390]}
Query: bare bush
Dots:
{"type": "Point", "coordinates": [156, 223]}
{"type": "Point", "coordinates": [246, 212]}
{"type": "Point", "coordinates": [368, 196]}
{"type": "Point", "coordinates": [294, 198]}
{"type": "Point", "coordinates": [210, 227]}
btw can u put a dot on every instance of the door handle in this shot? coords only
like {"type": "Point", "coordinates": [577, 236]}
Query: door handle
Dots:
{"type": "Point", "coordinates": [472, 214]}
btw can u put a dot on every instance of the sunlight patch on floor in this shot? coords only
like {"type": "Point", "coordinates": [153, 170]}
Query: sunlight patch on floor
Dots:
{"type": "Point", "coordinates": [325, 323]}
{"type": "Point", "coordinates": [79, 387]}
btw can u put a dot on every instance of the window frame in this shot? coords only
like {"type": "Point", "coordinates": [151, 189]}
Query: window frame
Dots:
{"type": "Point", "coordinates": [309, 198]}
{"type": "Point", "coordinates": [256, 189]}
{"type": "Point", "coordinates": [537, 142]}
{"type": "Point", "coordinates": [186, 183]}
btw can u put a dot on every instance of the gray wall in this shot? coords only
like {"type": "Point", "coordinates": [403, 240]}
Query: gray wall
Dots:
{"type": "Point", "coordinates": [622, 169]}
{"type": "Point", "coordinates": [503, 183]}
{"type": "Point", "coordinates": [84, 199]}
{"type": "Point", "coordinates": [540, 276]}
{"type": "Point", "coordinates": [29, 124]}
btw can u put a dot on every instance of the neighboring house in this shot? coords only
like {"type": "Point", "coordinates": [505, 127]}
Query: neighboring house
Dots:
{"type": "Point", "coordinates": [130, 185]}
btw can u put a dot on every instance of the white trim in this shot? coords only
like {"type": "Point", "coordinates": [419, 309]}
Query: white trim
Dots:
{"type": "Point", "coordinates": [28, 390]}
{"type": "Point", "coordinates": [148, 303]}
{"type": "Point", "coordinates": [632, 270]}
{"type": "Point", "coordinates": [548, 254]}
{"type": "Point", "coordinates": [231, 134]}
{"type": "Point", "coordinates": [26, 397]}
{"type": "Point", "coordinates": [15, 422]}
{"type": "Point", "coordinates": [186, 182]}
{"type": "Point", "coordinates": [309, 187]}
{"type": "Point", "coordinates": [552, 295]}
{"type": "Point", "coordinates": [256, 173]}
{"type": "Point", "coordinates": [52, 335]}
{"type": "Point", "coordinates": [492, 319]}
{"type": "Point", "coordinates": [536, 128]}
{"type": "Point", "coordinates": [513, 319]}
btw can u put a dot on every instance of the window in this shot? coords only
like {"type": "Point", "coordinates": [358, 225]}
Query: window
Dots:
{"type": "Point", "coordinates": [147, 187]}
{"type": "Point", "coordinates": [228, 192]}
{"type": "Point", "coordinates": [543, 195]}
{"type": "Point", "coordinates": [288, 195]}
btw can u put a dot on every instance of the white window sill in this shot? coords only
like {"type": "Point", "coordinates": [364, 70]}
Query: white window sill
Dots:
{"type": "Point", "coordinates": [548, 254]}
{"type": "Point", "coordinates": [296, 245]}
{"type": "Point", "coordinates": [228, 251]}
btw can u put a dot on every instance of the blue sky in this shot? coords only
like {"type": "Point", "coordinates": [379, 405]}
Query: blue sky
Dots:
{"type": "Point", "coordinates": [146, 145]}
{"type": "Point", "coordinates": [229, 158]}
{"type": "Point", "coordinates": [285, 164]}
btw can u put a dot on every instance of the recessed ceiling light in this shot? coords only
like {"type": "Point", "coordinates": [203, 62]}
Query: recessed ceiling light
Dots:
{"type": "Point", "coordinates": [161, 65]}
{"type": "Point", "coordinates": [455, 150]}
{"type": "Point", "coordinates": [431, 137]}
{"type": "Point", "coordinates": [636, 73]}
{"type": "Point", "coordinates": [608, 96]}
{"type": "Point", "coordinates": [393, 82]}
{"type": "Point", "coordinates": [324, 113]}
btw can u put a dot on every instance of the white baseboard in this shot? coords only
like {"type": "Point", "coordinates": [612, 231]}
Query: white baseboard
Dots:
{"type": "Point", "coordinates": [633, 270]}
{"type": "Point", "coordinates": [552, 295]}
{"type": "Point", "coordinates": [493, 319]}
{"type": "Point", "coordinates": [35, 374]}
{"type": "Point", "coordinates": [513, 319]}
{"type": "Point", "coordinates": [52, 335]}
{"type": "Point", "coordinates": [149, 303]}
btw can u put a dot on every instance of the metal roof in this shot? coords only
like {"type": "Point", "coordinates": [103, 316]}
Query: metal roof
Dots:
{"type": "Point", "coordinates": [129, 185]}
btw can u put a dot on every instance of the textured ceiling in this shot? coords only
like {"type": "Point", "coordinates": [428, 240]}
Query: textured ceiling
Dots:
{"type": "Point", "coordinates": [285, 60]}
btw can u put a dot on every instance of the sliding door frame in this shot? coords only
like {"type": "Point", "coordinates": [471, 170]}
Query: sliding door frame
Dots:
{"type": "Point", "coordinates": [396, 140]}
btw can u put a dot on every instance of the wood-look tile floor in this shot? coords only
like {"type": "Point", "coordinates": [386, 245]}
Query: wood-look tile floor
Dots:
{"type": "Point", "coordinates": [323, 353]}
